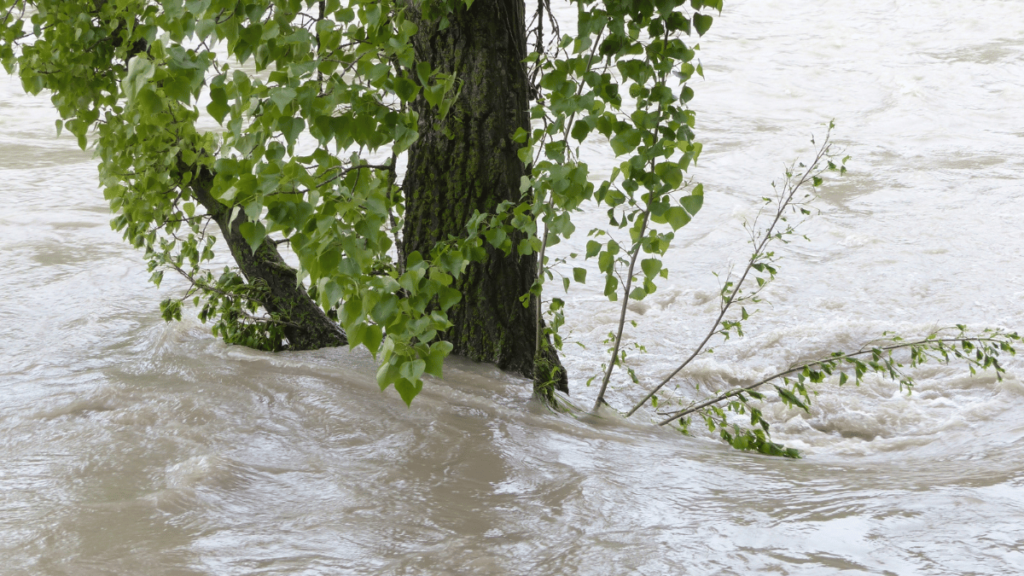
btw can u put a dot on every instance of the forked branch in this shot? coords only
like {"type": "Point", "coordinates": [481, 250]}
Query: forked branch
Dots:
{"type": "Point", "coordinates": [731, 293]}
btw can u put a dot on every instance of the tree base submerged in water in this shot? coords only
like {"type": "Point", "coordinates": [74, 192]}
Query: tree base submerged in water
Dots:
{"type": "Point", "coordinates": [454, 258]}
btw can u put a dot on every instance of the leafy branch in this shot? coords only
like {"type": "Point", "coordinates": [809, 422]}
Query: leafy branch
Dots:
{"type": "Point", "coordinates": [652, 199]}
{"type": "Point", "coordinates": [979, 352]}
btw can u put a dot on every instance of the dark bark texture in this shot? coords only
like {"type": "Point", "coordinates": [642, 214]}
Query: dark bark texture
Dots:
{"type": "Point", "coordinates": [477, 168]}
{"type": "Point", "coordinates": [308, 327]}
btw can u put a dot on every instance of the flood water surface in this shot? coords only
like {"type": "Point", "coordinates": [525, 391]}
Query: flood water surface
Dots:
{"type": "Point", "coordinates": [130, 446]}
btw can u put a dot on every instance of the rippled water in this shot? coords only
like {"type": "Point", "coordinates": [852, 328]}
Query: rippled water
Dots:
{"type": "Point", "coordinates": [131, 446]}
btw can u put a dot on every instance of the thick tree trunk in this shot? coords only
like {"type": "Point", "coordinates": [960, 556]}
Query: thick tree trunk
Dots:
{"type": "Point", "coordinates": [308, 327]}
{"type": "Point", "coordinates": [477, 168]}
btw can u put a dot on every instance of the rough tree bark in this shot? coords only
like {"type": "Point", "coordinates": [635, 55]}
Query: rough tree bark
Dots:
{"type": "Point", "coordinates": [476, 169]}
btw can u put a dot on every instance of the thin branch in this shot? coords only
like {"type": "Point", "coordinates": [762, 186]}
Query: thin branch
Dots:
{"type": "Point", "coordinates": [817, 363]}
{"type": "Point", "coordinates": [758, 251]}
{"type": "Point", "coordinates": [544, 239]}
{"type": "Point", "coordinates": [198, 284]}
{"type": "Point", "coordinates": [625, 303]}
{"type": "Point", "coordinates": [344, 172]}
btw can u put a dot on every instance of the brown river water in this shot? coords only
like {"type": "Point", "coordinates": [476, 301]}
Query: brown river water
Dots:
{"type": "Point", "coordinates": [130, 446]}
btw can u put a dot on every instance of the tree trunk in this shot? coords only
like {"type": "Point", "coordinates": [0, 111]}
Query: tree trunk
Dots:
{"type": "Point", "coordinates": [308, 327]}
{"type": "Point", "coordinates": [477, 168]}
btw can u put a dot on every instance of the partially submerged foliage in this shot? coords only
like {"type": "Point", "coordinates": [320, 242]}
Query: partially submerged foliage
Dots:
{"type": "Point", "coordinates": [283, 122]}
{"type": "Point", "coordinates": [721, 412]}
{"type": "Point", "coordinates": [735, 414]}
{"type": "Point", "coordinates": [304, 94]}
{"type": "Point", "coordinates": [306, 97]}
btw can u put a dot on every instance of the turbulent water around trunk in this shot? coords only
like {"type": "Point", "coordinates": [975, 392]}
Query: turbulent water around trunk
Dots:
{"type": "Point", "coordinates": [131, 446]}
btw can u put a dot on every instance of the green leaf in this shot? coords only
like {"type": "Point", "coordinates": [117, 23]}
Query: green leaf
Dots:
{"type": "Point", "coordinates": [149, 102]}
{"type": "Point", "coordinates": [254, 233]}
{"type": "Point", "coordinates": [525, 154]}
{"type": "Point", "coordinates": [282, 97]}
{"type": "Point", "coordinates": [140, 71]}
{"type": "Point", "coordinates": [404, 138]}
{"type": "Point", "coordinates": [579, 275]}
{"type": "Point", "coordinates": [651, 267]}
{"type": "Point", "coordinates": [291, 128]}
{"type": "Point", "coordinates": [372, 338]}
{"type": "Point", "coordinates": [412, 370]}
{"type": "Point", "coordinates": [791, 398]}
{"type": "Point", "coordinates": [218, 107]}
{"type": "Point", "coordinates": [356, 334]}
{"type": "Point", "coordinates": [692, 204]}
{"type": "Point", "coordinates": [388, 372]}
{"type": "Point", "coordinates": [423, 72]}
{"type": "Point", "coordinates": [435, 359]}
{"type": "Point", "coordinates": [411, 280]}
{"type": "Point", "coordinates": [448, 297]}
{"type": "Point", "coordinates": [677, 217]}
{"type": "Point", "coordinates": [434, 94]}
{"type": "Point", "coordinates": [406, 89]}
{"type": "Point", "coordinates": [496, 237]}
{"type": "Point", "coordinates": [611, 284]}
{"type": "Point", "coordinates": [408, 390]}
{"type": "Point", "coordinates": [626, 141]}
{"type": "Point", "coordinates": [670, 174]}
{"type": "Point", "coordinates": [580, 130]}
{"type": "Point", "coordinates": [332, 294]}
{"type": "Point", "coordinates": [384, 311]}
{"type": "Point", "coordinates": [702, 23]}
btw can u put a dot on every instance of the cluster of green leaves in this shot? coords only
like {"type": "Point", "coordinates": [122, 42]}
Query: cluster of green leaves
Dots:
{"type": "Point", "coordinates": [622, 79]}
{"type": "Point", "coordinates": [286, 81]}
{"type": "Point", "coordinates": [756, 437]}
{"type": "Point", "coordinates": [235, 308]}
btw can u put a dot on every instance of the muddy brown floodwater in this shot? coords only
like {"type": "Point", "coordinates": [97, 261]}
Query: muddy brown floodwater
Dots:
{"type": "Point", "coordinates": [129, 446]}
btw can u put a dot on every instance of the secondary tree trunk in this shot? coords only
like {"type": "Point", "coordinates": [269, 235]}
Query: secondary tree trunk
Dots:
{"type": "Point", "coordinates": [308, 327]}
{"type": "Point", "coordinates": [449, 178]}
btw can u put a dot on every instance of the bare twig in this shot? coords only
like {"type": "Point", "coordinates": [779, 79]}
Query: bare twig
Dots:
{"type": "Point", "coordinates": [625, 303]}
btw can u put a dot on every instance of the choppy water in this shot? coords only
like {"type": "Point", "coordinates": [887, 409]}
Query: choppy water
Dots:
{"type": "Point", "coordinates": [131, 446]}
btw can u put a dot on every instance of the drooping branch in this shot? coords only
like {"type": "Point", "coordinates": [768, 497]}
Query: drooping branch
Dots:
{"type": "Point", "coordinates": [305, 324]}
{"type": "Point", "coordinates": [929, 347]}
